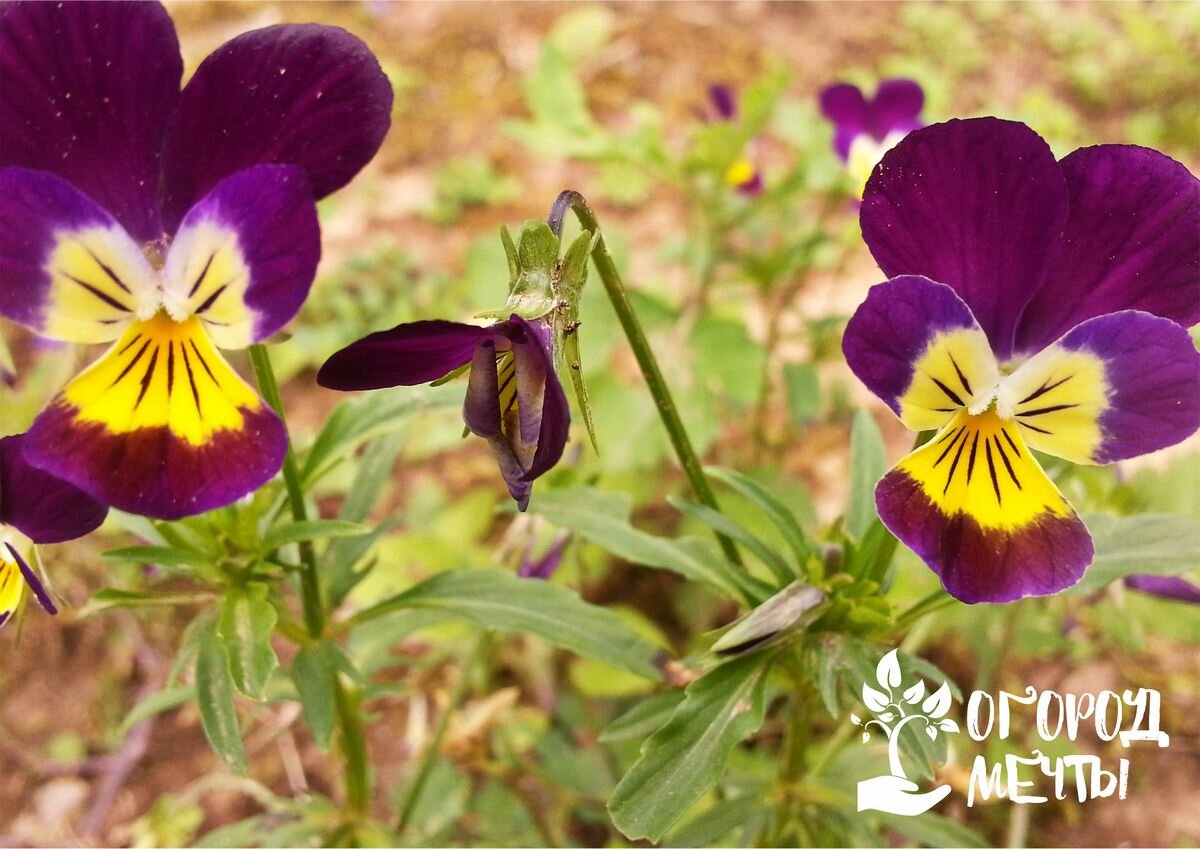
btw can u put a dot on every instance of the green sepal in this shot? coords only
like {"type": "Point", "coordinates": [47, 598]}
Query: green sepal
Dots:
{"type": "Point", "coordinates": [571, 280]}
{"type": "Point", "coordinates": [531, 273]}
{"type": "Point", "coordinates": [510, 252]}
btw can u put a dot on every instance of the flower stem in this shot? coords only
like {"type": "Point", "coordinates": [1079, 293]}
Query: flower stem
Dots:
{"type": "Point", "coordinates": [310, 581]}
{"type": "Point", "coordinates": [425, 767]}
{"type": "Point", "coordinates": [349, 700]}
{"type": "Point", "coordinates": [647, 362]}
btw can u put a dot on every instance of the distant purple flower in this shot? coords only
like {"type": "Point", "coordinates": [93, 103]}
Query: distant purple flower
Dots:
{"type": "Point", "coordinates": [1173, 588]}
{"type": "Point", "coordinates": [547, 564]}
{"type": "Point", "coordinates": [514, 398]}
{"type": "Point", "coordinates": [169, 223]}
{"type": "Point", "coordinates": [35, 508]}
{"type": "Point", "coordinates": [1032, 304]}
{"type": "Point", "coordinates": [743, 174]}
{"type": "Point", "coordinates": [864, 130]}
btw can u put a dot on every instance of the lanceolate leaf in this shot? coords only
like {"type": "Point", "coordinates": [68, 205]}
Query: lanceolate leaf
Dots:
{"type": "Point", "coordinates": [214, 693]}
{"type": "Point", "coordinates": [687, 756]}
{"type": "Point", "coordinates": [503, 602]}
{"type": "Point", "coordinates": [1150, 544]}
{"type": "Point", "coordinates": [868, 462]}
{"type": "Point", "coordinates": [313, 672]}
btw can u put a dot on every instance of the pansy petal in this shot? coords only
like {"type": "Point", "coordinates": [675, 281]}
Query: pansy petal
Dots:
{"type": "Point", "coordinates": [407, 355]}
{"type": "Point", "coordinates": [67, 269]}
{"type": "Point", "coordinates": [481, 408]}
{"type": "Point", "coordinates": [981, 513]}
{"type": "Point", "coordinates": [724, 101]}
{"type": "Point", "coordinates": [12, 586]}
{"type": "Point", "coordinates": [31, 580]}
{"type": "Point", "coordinates": [160, 426]}
{"type": "Point", "coordinates": [915, 344]}
{"type": "Point", "coordinates": [40, 506]}
{"type": "Point", "coordinates": [1132, 241]}
{"type": "Point", "coordinates": [896, 107]}
{"type": "Point", "coordinates": [1115, 387]}
{"type": "Point", "coordinates": [845, 106]}
{"type": "Point", "coordinates": [545, 414]}
{"type": "Point", "coordinates": [1165, 586]}
{"type": "Point", "coordinates": [976, 204]}
{"type": "Point", "coordinates": [300, 94]}
{"type": "Point", "coordinates": [245, 257]}
{"type": "Point", "coordinates": [87, 89]}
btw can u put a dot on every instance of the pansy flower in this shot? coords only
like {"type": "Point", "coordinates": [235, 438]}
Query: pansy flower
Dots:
{"type": "Point", "coordinates": [1033, 304]}
{"type": "Point", "coordinates": [514, 398]}
{"type": "Point", "coordinates": [743, 174]}
{"type": "Point", "coordinates": [864, 130]}
{"type": "Point", "coordinates": [169, 223]}
{"type": "Point", "coordinates": [35, 508]}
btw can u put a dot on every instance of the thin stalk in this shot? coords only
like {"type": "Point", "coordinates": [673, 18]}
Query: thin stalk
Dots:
{"type": "Point", "coordinates": [425, 767]}
{"type": "Point", "coordinates": [647, 362]}
{"type": "Point", "coordinates": [934, 601]}
{"type": "Point", "coordinates": [349, 702]}
{"type": "Point", "coordinates": [310, 582]}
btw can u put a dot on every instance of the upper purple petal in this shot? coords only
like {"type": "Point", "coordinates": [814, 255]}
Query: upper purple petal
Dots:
{"type": "Point", "coordinates": [554, 420]}
{"type": "Point", "coordinates": [896, 107]}
{"type": "Point", "coordinates": [977, 204]}
{"type": "Point", "coordinates": [300, 94]}
{"type": "Point", "coordinates": [724, 101]}
{"type": "Point", "coordinates": [406, 355]}
{"type": "Point", "coordinates": [845, 106]}
{"type": "Point", "coordinates": [1132, 241]}
{"type": "Point", "coordinates": [86, 91]}
{"type": "Point", "coordinates": [42, 507]}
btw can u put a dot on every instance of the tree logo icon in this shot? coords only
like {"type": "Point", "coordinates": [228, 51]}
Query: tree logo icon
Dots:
{"type": "Point", "coordinates": [894, 708]}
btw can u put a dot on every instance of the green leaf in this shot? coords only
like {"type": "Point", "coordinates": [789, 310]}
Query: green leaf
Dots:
{"type": "Point", "coordinates": [245, 626]}
{"type": "Point", "coordinates": [644, 718]}
{"type": "Point", "coordinates": [932, 829]}
{"type": "Point", "coordinates": [765, 500]}
{"type": "Point", "coordinates": [1149, 544]}
{"type": "Point", "coordinates": [803, 392]}
{"type": "Point", "coordinates": [154, 704]}
{"type": "Point", "coordinates": [603, 518]}
{"type": "Point", "coordinates": [310, 529]}
{"type": "Point", "coordinates": [716, 822]}
{"type": "Point", "coordinates": [157, 555]}
{"type": "Point", "coordinates": [783, 572]}
{"type": "Point", "coordinates": [108, 599]}
{"type": "Point", "coordinates": [868, 462]}
{"type": "Point", "coordinates": [214, 693]}
{"type": "Point", "coordinates": [314, 672]}
{"type": "Point", "coordinates": [501, 601]}
{"type": "Point", "coordinates": [687, 756]}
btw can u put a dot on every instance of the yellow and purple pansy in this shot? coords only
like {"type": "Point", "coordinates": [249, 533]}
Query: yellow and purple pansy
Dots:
{"type": "Point", "coordinates": [865, 129]}
{"type": "Point", "coordinates": [743, 174]}
{"type": "Point", "coordinates": [1032, 304]}
{"type": "Point", "coordinates": [169, 223]}
{"type": "Point", "coordinates": [35, 509]}
{"type": "Point", "coordinates": [514, 398]}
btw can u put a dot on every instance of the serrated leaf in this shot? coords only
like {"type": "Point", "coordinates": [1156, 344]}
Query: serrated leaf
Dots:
{"type": "Point", "coordinates": [1149, 544]}
{"type": "Point", "coordinates": [245, 625]}
{"type": "Point", "coordinates": [503, 602]}
{"type": "Point", "coordinates": [868, 462]}
{"type": "Point", "coordinates": [687, 756]}
{"type": "Point", "coordinates": [310, 529]}
{"type": "Point", "coordinates": [214, 695]}
{"type": "Point", "coordinates": [314, 672]}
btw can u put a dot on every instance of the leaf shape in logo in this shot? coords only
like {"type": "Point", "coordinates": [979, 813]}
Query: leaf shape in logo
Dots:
{"type": "Point", "coordinates": [915, 693]}
{"type": "Point", "coordinates": [948, 725]}
{"type": "Point", "coordinates": [931, 731]}
{"type": "Point", "coordinates": [888, 671]}
{"type": "Point", "coordinates": [887, 717]}
{"type": "Point", "coordinates": [873, 699]}
{"type": "Point", "coordinates": [939, 703]}
{"type": "Point", "coordinates": [854, 719]}
{"type": "Point", "coordinates": [866, 736]}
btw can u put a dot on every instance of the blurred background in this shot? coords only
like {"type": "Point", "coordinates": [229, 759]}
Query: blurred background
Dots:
{"type": "Point", "coordinates": [499, 106]}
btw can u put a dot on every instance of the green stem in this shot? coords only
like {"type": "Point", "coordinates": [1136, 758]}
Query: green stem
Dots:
{"type": "Point", "coordinates": [425, 767]}
{"type": "Point", "coordinates": [349, 700]}
{"type": "Point", "coordinates": [310, 582]}
{"type": "Point", "coordinates": [647, 362]}
{"type": "Point", "coordinates": [354, 746]}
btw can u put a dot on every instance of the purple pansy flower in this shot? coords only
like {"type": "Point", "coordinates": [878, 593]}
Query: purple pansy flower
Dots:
{"type": "Point", "coordinates": [1168, 587]}
{"type": "Point", "coordinates": [35, 509]}
{"type": "Point", "coordinates": [169, 223]}
{"type": "Point", "coordinates": [514, 398]}
{"type": "Point", "coordinates": [544, 567]}
{"type": "Point", "coordinates": [864, 130]}
{"type": "Point", "coordinates": [743, 174]}
{"type": "Point", "coordinates": [1032, 303]}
